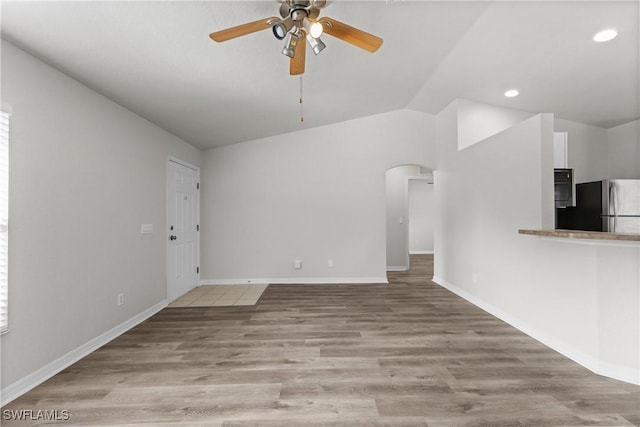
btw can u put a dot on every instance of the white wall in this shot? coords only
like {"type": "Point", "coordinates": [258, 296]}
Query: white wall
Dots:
{"type": "Point", "coordinates": [478, 121]}
{"type": "Point", "coordinates": [312, 195]}
{"type": "Point", "coordinates": [421, 216]}
{"type": "Point", "coordinates": [624, 151]}
{"type": "Point", "coordinates": [85, 173]}
{"type": "Point", "coordinates": [587, 149]}
{"type": "Point", "coordinates": [596, 153]}
{"type": "Point", "coordinates": [560, 292]}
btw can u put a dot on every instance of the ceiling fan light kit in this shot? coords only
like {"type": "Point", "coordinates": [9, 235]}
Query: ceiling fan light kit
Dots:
{"type": "Point", "coordinates": [316, 44]}
{"type": "Point", "coordinates": [312, 28]}
{"type": "Point", "coordinates": [280, 29]}
{"type": "Point", "coordinates": [290, 45]}
{"type": "Point", "coordinates": [299, 21]}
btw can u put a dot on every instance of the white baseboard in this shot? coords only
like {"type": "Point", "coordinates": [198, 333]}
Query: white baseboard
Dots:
{"type": "Point", "coordinates": [420, 252]}
{"type": "Point", "coordinates": [23, 385]}
{"type": "Point", "coordinates": [593, 364]}
{"type": "Point", "coordinates": [620, 373]}
{"type": "Point", "coordinates": [397, 268]}
{"type": "Point", "coordinates": [296, 281]}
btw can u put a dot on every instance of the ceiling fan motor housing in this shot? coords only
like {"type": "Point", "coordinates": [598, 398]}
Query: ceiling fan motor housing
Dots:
{"type": "Point", "coordinates": [299, 9]}
{"type": "Point", "coordinates": [295, 16]}
{"type": "Point", "coordinates": [305, 3]}
{"type": "Point", "coordinates": [299, 14]}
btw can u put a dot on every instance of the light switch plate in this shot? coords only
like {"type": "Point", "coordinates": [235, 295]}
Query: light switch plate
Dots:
{"type": "Point", "coordinates": [146, 229]}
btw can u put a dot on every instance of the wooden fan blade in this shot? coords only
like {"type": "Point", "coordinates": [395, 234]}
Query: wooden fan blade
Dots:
{"type": "Point", "coordinates": [296, 65]}
{"type": "Point", "coordinates": [242, 30]}
{"type": "Point", "coordinates": [351, 34]}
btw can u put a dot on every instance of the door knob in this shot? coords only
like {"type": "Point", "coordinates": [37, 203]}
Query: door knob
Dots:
{"type": "Point", "coordinates": [172, 237]}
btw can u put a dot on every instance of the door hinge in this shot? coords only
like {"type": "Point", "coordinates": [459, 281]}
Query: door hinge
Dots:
{"type": "Point", "coordinates": [198, 227]}
{"type": "Point", "coordinates": [198, 186]}
{"type": "Point", "coordinates": [197, 270]}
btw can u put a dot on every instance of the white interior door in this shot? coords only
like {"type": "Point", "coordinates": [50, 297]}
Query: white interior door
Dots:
{"type": "Point", "coordinates": [182, 229]}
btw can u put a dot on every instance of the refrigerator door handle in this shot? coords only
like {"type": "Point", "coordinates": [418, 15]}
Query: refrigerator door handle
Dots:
{"type": "Point", "coordinates": [612, 207]}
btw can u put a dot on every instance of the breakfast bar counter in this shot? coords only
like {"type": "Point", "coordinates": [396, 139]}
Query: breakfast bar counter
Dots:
{"type": "Point", "coordinates": [583, 235]}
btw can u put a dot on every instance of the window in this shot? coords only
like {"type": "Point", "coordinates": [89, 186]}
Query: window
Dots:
{"type": "Point", "coordinates": [4, 222]}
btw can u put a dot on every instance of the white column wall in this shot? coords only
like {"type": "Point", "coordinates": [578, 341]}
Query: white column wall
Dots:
{"type": "Point", "coordinates": [579, 298]}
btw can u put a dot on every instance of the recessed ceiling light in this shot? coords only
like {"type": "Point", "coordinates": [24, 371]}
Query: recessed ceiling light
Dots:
{"type": "Point", "coordinates": [511, 93]}
{"type": "Point", "coordinates": [605, 35]}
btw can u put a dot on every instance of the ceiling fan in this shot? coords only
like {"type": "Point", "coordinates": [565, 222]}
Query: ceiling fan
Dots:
{"type": "Point", "coordinates": [299, 21]}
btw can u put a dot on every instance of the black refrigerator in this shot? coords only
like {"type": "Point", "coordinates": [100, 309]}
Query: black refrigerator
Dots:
{"type": "Point", "coordinates": [609, 205]}
{"type": "Point", "coordinates": [585, 215]}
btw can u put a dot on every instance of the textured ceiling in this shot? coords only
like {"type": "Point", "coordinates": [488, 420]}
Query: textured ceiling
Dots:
{"type": "Point", "coordinates": [156, 59]}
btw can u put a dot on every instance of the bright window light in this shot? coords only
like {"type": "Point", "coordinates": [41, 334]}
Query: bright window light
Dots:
{"type": "Point", "coordinates": [4, 222]}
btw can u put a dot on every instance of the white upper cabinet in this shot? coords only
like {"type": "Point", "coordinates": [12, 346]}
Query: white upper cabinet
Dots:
{"type": "Point", "coordinates": [560, 150]}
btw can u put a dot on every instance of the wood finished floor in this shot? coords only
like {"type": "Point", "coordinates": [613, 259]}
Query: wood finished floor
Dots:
{"type": "Point", "coordinates": [405, 354]}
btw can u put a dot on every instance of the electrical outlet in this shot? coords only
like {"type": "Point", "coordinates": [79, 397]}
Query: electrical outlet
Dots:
{"type": "Point", "coordinates": [120, 299]}
{"type": "Point", "coordinates": [330, 263]}
{"type": "Point", "coordinates": [474, 277]}
{"type": "Point", "coordinates": [297, 264]}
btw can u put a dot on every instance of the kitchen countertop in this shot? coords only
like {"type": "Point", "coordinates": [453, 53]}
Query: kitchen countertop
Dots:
{"type": "Point", "coordinates": [589, 235]}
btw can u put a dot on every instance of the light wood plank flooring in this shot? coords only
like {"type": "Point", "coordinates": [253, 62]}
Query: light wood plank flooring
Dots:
{"type": "Point", "coordinates": [405, 354]}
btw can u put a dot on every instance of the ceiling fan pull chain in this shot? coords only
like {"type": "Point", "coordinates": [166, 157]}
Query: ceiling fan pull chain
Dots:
{"type": "Point", "coordinates": [301, 109]}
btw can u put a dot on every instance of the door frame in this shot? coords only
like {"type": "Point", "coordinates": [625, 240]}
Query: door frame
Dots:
{"type": "Point", "coordinates": [426, 177]}
{"type": "Point", "coordinates": [172, 159]}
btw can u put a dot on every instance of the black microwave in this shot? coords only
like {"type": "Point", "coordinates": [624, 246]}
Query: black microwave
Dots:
{"type": "Point", "coordinates": [563, 187]}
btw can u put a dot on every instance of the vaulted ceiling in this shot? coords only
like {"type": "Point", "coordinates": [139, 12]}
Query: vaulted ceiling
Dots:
{"type": "Point", "coordinates": [156, 59]}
